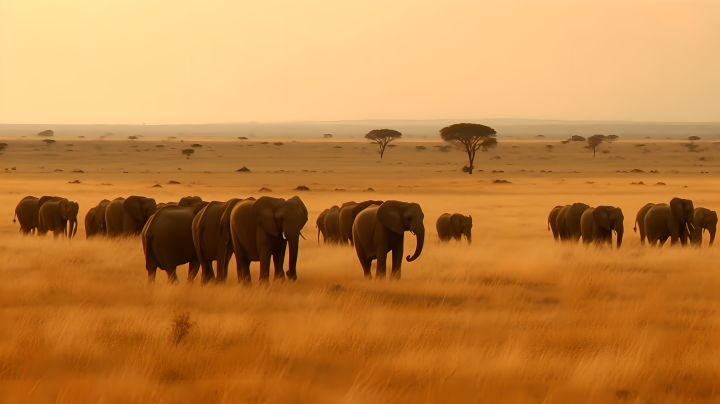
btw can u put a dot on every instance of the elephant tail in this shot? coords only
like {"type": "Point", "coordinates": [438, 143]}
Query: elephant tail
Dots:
{"type": "Point", "coordinates": [15, 217]}
{"type": "Point", "coordinates": [548, 224]}
{"type": "Point", "coordinates": [635, 228]}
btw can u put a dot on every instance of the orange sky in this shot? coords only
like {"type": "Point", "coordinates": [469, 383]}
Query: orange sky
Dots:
{"type": "Point", "coordinates": [210, 61]}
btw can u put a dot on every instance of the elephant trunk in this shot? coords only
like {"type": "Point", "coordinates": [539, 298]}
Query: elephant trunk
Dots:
{"type": "Point", "coordinates": [469, 238]}
{"type": "Point", "coordinates": [72, 228]}
{"type": "Point", "coordinates": [293, 245]}
{"type": "Point", "coordinates": [420, 237]}
{"type": "Point", "coordinates": [712, 230]}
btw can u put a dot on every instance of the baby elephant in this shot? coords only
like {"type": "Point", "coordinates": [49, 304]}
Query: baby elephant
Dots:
{"type": "Point", "coordinates": [454, 227]}
{"type": "Point", "coordinates": [705, 219]}
{"type": "Point", "coordinates": [597, 225]}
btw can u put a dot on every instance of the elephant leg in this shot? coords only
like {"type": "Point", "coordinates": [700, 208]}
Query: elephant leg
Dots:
{"type": "Point", "coordinates": [397, 258]}
{"type": "Point", "coordinates": [151, 270]}
{"type": "Point", "coordinates": [228, 256]}
{"type": "Point", "coordinates": [172, 275]}
{"type": "Point", "coordinates": [207, 274]}
{"type": "Point", "coordinates": [662, 240]}
{"type": "Point", "coordinates": [243, 267]}
{"type": "Point", "coordinates": [381, 263]}
{"type": "Point", "coordinates": [194, 268]}
{"type": "Point", "coordinates": [278, 260]}
{"type": "Point", "coordinates": [365, 262]}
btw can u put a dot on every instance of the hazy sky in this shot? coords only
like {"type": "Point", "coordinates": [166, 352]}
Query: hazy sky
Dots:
{"type": "Point", "coordinates": [211, 61]}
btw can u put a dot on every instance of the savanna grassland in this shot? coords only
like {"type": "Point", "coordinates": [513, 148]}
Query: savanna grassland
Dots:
{"type": "Point", "coordinates": [514, 317]}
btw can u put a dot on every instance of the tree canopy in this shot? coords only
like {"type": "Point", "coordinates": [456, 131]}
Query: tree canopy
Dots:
{"type": "Point", "coordinates": [595, 140]}
{"type": "Point", "coordinates": [693, 138]}
{"type": "Point", "coordinates": [382, 137]}
{"type": "Point", "coordinates": [187, 152]}
{"type": "Point", "coordinates": [469, 137]}
{"type": "Point", "coordinates": [46, 133]}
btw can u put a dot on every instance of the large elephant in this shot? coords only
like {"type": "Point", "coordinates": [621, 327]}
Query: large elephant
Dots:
{"type": "Point", "coordinates": [454, 226]}
{"type": "Point", "coordinates": [568, 222]}
{"type": "Point", "coordinates": [552, 221]}
{"type": "Point", "coordinates": [264, 229]}
{"type": "Point", "coordinates": [167, 241]}
{"type": "Point", "coordinates": [346, 222]}
{"type": "Point", "coordinates": [127, 217]}
{"type": "Point", "coordinates": [362, 206]}
{"type": "Point", "coordinates": [675, 221]}
{"type": "Point", "coordinates": [378, 230]}
{"type": "Point", "coordinates": [95, 224]}
{"type": "Point", "coordinates": [332, 226]}
{"type": "Point", "coordinates": [705, 219]}
{"type": "Point", "coordinates": [211, 235]}
{"type": "Point", "coordinates": [320, 224]}
{"type": "Point", "coordinates": [640, 221]}
{"type": "Point", "coordinates": [59, 217]}
{"type": "Point", "coordinates": [597, 225]}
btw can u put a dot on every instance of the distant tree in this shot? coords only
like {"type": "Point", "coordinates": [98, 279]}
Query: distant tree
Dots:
{"type": "Point", "coordinates": [327, 136]}
{"type": "Point", "coordinates": [187, 152]}
{"type": "Point", "coordinates": [3, 146]}
{"type": "Point", "coordinates": [278, 143]}
{"type": "Point", "coordinates": [420, 148]}
{"type": "Point", "coordinates": [595, 140]}
{"type": "Point", "coordinates": [132, 137]}
{"type": "Point", "coordinates": [540, 136]}
{"type": "Point", "coordinates": [550, 147]}
{"type": "Point", "coordinates": [46, 133]}
{"type": "Point", "coordinates": [159, 145]}
{"type": "Point", "coordinates": [264, 142]}
{"type": "Point", "coordinates": [576, 138]}
{"type": "Point", "coordinates": [469, 137]}
{"type": "Point", "coordinates": [48, 142]}
{"type": "Point", "coordinates": [172, 137]}
{"type": "Point", "coordinates": [382, 137]}
{"type": "Point", "coordinates": [243, 138]}
{"type": "Point", "coordinates": [565, 141]}
{"type": "Point", "coordinates": [694, 138]}
{"type": "Point", "coordinates": [196, 145]}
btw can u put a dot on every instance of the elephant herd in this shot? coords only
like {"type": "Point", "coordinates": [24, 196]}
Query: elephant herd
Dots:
{"type": "Point", "coordinates": [678, 220]}
{"type": "Point", "coordinates": [196, 232]}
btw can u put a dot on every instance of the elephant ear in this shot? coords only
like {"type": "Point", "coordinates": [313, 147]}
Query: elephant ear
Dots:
{"type": "Point", "coordinates": [300, 206]}
{"type": "Point", "coordinates": [63, 206]}
{"type": "Point", "coordinates": [699, 217]}
{"type": "Point", "coordinates": [197, 208]}
{"type": "Point", "coordinates": [390, 215]}
{"type": "Point", "coordinates": [601, 216]}
{"type": "Point", "coordinates": [677, 206]}
{"type": "Point", "coordinates": [190, 201]}
{"type": "Point", "coordinates": [263, 210]}
{"type": "Point", "coordinates": [133, 207]}
{"type": "Point", "coordinates": [456, 223]}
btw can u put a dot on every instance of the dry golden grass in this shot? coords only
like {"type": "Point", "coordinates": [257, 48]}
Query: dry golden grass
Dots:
{"type": "Point", "coordinates": [514, 317]}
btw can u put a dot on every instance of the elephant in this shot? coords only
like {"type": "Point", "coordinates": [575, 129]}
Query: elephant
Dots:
{"type": "Point", "coordinates": [26, 212]}
{"type": "Point", "coordinates": [378, 230]}
{"type": "Point", "coordinates": [346, 222]}
{"type": "Point", "coordinates": [189, 201]}
{"type": "Point", "coordinates": [552, 221]}
{"type": "Point", "coordinates": [128, 216]}
{"type": "Point", "coordinates": [454, 227]}
{"type": "Point", "coordinates": [676, 221]}
{"type": "Point", "coordinates": [211, 235]}
{"type": "Point", "coordinates": [167, 241]}
{"type": "Point", "coordinates": [640, 221]}
{"type": "Point", "coordinates": [95, 224]}
{"type": "Point", "coordinates": [597, 225]}
{"type": "Point", "coordinates": [568, 222]}
{"type": "Point", "coordinates": [320, 225]}
{"type": "Point", "coordinates": [264, 229]}
{"type": "Point", "coordinates": [332, 226]}
{"type": "Point", "coordinates": [59, 216]}
{"type": "Point", "coordinates": [705, 219]}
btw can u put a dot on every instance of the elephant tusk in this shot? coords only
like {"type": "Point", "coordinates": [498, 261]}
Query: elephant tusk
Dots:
{"type": "Point", "coordinates": [302, 236]}
{"type": "Point", "coordinates": [283, 236]}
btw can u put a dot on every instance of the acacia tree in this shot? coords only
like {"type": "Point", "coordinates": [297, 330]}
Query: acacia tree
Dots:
{"type": "Point", "coordinates": [469, 137]}
{"type": "Point", "coordinates": [382, 137]}
{"type": "Point", "coordinates": [595, 140]}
